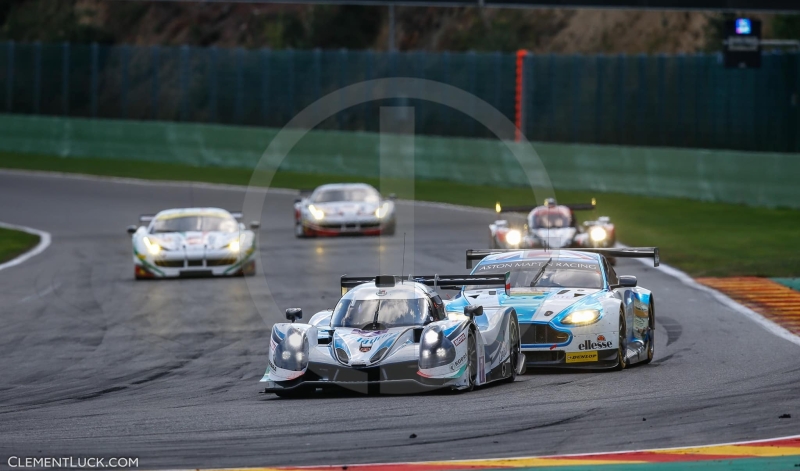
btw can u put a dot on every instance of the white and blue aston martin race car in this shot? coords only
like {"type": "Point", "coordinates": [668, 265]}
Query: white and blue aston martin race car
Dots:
{"type": "Point", "coordinates": [392, 335]}
{"type": "Point", "coordinates": [192, 242]}
{"type": "Point", "coordinates": [572, 307]}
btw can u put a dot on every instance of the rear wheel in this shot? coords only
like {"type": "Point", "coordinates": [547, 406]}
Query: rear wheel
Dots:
{"type": "Point", "coordinates": [622, 344]}
{"type": "Point", "coordinates": [514, 342]}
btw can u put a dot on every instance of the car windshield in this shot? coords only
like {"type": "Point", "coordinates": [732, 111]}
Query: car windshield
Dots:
{"type": "Point", "coordinates": [365, 195]}
{"type": "Point", "coordinates": [374, 314]}
{"type": "Point", "coordinates": [556, 274]}
{"type": "Point", "coordinates": [550, 221]}
{"type": "Point", "coordinates": [194, 223]}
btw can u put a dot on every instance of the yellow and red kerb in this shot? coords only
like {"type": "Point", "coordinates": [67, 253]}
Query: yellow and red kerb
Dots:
{"type": "Point", "coordinates": [760, 449]}
{"type": "Point", "coordinates": [776, 302]}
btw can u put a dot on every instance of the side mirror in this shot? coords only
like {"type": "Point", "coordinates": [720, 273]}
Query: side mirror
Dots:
{"type": "Point", "coordinates": [132, 229]}
{"type": "Point", "coordinates": [627, 281]}
{"type": "Point", "coordinates": [392, 196]}
{"type": "Point", "coordinates": [473, 311]}
{"type": "Point", "coordinates": [255, 224]}
{"type": "Point", "coordinates": [294, 313]}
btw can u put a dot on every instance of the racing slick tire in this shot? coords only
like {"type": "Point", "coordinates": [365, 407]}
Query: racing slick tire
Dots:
{"type": "Point", "coordinates": [390, 229]}
{"type": "Point", "coordinates": [622, 344]}
{"type": "Point", "coordinates": [516, 349]}
{"type": "Point", "coordinates": [299, 231]}
{"type": "Point", "coordinates": [651, 331]}
{"type": "Point", "coordinates": [472, 366]}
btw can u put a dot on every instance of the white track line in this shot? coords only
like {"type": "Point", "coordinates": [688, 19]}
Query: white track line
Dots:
{"type": "Point", "coordinates": [44, 242]}
{"type": "Point", "coordinates": [666, 269]}
{"type": "Point", "coordinates": [687, 280]}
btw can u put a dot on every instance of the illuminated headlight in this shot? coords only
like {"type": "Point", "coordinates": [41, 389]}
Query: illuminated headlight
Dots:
{"type": "Point", "coordinates": [582, 317]}
{"type": "Point", "coordinates": [382, 211]}
{"type": "Point", "coordinates": [435, 350]}
{"type": "Point", "coordinates": [295, 341]}
{"type": "Point", "coordinates": [316, 212]}
{"type": "Point", "coordinates": [598, 234]}
{"type": "Point", "coordinates": [234, 246]}
{"type": "Point", "coordinates": [513, 237]}
{"type": "Point", "coordinates": [431, 337]}
{"type": "Point", "coordinates": [292, 353]}
{"type": "Point", "coordinates": [152, 247]}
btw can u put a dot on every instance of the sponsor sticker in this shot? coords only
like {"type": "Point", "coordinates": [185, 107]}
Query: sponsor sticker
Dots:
{"type": "Point", "coordinates": [457, 364]}
{"type": "Point", "coordinates": [458, 340]}
{"type": "Point", "coordinates": [365, 347]}
{"type": "Point", "coordinates": [589, 345]}
{"type": "Point", "coordinates": [581, 357]}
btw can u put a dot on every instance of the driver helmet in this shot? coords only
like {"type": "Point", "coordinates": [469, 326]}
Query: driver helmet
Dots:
{"type": "Point", "coordinates": [550, 202]}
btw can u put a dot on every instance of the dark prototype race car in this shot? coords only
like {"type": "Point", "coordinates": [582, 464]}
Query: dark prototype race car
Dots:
{"type": "Point", "coordinates": [551, 225]}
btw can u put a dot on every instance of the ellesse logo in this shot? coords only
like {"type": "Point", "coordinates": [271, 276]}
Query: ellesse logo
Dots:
{"type": "Point", "coordinates": [589, 345]}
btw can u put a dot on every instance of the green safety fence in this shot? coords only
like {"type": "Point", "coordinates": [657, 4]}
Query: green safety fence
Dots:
{"type": "Point", "coordinates": [665, 100]}
{"type": "Point", "coordinates": [761, 179]}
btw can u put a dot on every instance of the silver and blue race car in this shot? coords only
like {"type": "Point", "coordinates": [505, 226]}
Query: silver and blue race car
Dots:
{"type": "Point", "coordinates": [573, 309]}
{"type": "Point", "coordinates": [192, 242]}
{"type": "Point", "coordinates": [392, 335]}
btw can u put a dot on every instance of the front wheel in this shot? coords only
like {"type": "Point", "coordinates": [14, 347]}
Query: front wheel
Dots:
{"type": "Point", "coordinates": [622, 347]}
{"type": "Point", "coordinates": [472, 358]}
{"type": "Point", "coordinates": [516, 349]}
{"type": "Point", "coordinates": [651, 334]}
{"type": "Point", "coordinates": [299, 230]}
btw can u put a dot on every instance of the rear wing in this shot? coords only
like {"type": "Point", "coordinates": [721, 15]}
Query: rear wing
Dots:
{"type": "Point", "coordinates": [434, 281]}
{"type": "Point", "coordinates": [526, 209]}
{"type": "Point", "coordinates": [627, 252]}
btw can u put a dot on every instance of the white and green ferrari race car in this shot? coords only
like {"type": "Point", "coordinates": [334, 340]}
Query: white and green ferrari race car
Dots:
{"type": "Point", "coordinates": [390, 334]}
{"type": "Point", "coordinates": [193, 242]}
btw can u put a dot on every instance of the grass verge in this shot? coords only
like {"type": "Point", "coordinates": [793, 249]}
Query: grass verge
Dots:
{"type": "Point", "coordinates": [703, 239]}
{"type": "Point", "coordinates": [14, 243]}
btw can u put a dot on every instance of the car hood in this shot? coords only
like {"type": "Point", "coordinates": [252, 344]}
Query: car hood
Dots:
{"type": "Point", "coordinates": [531, 304]}
{"type": "Point", "coordinates": [193, 240]}
{"type": "Point", "coordinates": [362, 346]}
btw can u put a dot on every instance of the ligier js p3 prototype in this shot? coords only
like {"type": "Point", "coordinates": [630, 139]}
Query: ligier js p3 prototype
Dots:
{"type": "Point", "coordinates": [392, 335]}
{"type": "Point", "coordinates": [551, 225]}
{"type": "Point", "coordinates": [572, 307]}
{"type": "Point", "coordinates": [344, 209]}
{"type": "Point", "coordinates": [193, 242]}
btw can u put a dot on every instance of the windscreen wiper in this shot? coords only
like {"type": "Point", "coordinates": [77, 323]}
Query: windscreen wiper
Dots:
{"type": "Point", "coordinates": [540, 272]}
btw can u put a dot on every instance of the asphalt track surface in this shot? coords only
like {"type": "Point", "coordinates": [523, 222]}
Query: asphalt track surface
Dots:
{"type": "Point", "coordinates": [97, 364]}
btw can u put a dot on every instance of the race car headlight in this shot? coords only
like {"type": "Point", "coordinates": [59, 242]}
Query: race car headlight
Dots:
{"type": "Point", "coordinates": [598, 234]}
{"type": "Point", "coordinates": [234, 246]}
{"type": "Point", "coordinates": [382, 211]}
{"type": "Point", "coordinates": [513, 237]}
{"type": "Point", "coordinates": [435, 350]}
{"type": "Point", "coordinates": [316, 212]}
{"type": "Point", "coordinates": [152, 247]}
{"type": "Point", "coordinates": [292, 353]}
{"type": "Point", "coordinates": [584, 317]}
